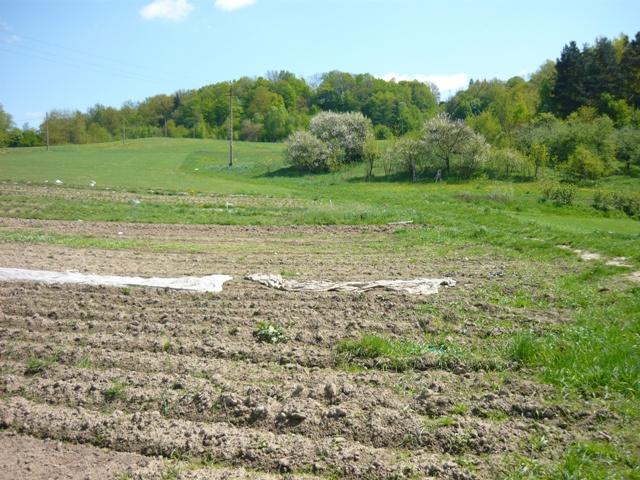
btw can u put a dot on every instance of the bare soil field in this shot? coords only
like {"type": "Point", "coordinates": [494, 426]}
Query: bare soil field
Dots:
{"type": "Point", "coordinates": [150, 383]}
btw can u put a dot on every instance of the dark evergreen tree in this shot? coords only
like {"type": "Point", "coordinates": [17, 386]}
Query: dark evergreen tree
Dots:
{"type": "Point", "coordinates": [630, 71]}
{"type": "Point", "coordinates": [569, 89]}
{"type": "Point", "coordinates": [601, 73]}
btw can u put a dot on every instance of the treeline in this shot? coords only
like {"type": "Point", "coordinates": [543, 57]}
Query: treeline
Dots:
{"type": "Point", "coordinates": [580, 113]}
{"type": "Point", "coordinates": [265, 109]}
{"type": "Point", "coordinates": [583, 109]}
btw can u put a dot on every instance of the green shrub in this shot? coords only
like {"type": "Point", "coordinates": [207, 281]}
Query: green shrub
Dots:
{"type": "Point", "coordinates": [382, 132]}
{"type": "Point", "coordinates": [627, 203]}
{"type": "Point", "coordinates": [583, 164]}
{"type": "Point", "coordinates": [559, 194]}
{"type": "Point", "coordinates": [602, 201]}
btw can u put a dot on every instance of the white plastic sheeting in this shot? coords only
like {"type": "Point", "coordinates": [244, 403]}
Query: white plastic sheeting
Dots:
{"type": "Point", "coordinates": [211, 283]}
{"type": "Point", "coordinates": [419, 286]}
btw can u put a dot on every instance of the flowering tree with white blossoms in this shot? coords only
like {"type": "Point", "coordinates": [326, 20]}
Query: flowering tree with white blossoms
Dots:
{"type": "Point", "coordinates": [333, 139]}
{"type": "Point", "coordinates": [345, 133]}
{"type": "Point", "coordinates": [306, 152]}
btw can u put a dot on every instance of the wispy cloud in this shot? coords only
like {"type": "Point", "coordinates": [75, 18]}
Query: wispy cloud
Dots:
{"type": "Point", "coordinates": [230, 5]}
{"type": "Point", "coordinates": [6, 35]}
{"type": "Point", "coordinates": [173, 10]}
{"type": "Point", "coordinates": [447, 84]}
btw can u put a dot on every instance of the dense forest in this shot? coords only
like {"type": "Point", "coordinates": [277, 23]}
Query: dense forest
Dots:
{"type": "Point", "coordinates": [589, 99]}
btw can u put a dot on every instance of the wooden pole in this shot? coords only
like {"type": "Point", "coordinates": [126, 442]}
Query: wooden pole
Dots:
{"type": "Point", "coordinates": [231, 126]}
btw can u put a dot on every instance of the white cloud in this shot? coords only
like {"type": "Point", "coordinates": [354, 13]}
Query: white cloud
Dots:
{"type": "Point", "coordinates": [447, 84]}
{"type": "Point", "coordinates": [230, 5]}
{"type": "Point", "coordinates": [12, 39]}
{"type": "Point", "coordinates": [173, 10]}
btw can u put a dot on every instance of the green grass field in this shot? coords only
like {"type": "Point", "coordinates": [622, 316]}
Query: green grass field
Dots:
{"type": "Point", "coordinates": [492, 211]}
{"type": "Point", "coordinates": [594, 355]}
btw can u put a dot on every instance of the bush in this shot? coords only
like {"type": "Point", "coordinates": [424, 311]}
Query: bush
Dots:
{"type": "Point", "coordinates": [382, 132]}
{"type": "Point", "coordinates": [602, 201]}
{"type": "Point", "coordinates": [345, 133]}
{"type": "Point", "coordinates": [306, 152]}
{"type": "Point", "coordinates": [506, 162]}
{"type": "Point", "coordinates": [627, 203]}
{"type": "Point", "coordinates": [559, 194]}
{"type": "Point", "coordinates": [583, 164]}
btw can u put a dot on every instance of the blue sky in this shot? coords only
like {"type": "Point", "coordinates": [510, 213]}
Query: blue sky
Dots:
{"type": "Point", "coordinates": [76, 53]}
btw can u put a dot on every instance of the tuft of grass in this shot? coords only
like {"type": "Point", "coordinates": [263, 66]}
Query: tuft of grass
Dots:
{"type": "Point", "coordinates": [395, 354]}
{"type": "Point", "coordinates": [37, 365]}
{"type": "Point", "coordinates": [84, 362]}
{"type": "Point", "coordinates": [268, 332]}
{"type": "Point", "coordinates": [115, 392]}
{"type": "Point", "coordinates": [288, 273]}
{"type": "Point", "coordinates": [524, 348]}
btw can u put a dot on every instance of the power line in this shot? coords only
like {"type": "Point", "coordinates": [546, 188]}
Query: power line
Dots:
{"type": "Point", "coordinates": [74, 63]}
{"type": "Point", "coordinates": [94, 56]}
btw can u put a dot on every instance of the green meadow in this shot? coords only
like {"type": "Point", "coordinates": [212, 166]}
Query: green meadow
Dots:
{"type": "Point", "coordinates": [494, 212]}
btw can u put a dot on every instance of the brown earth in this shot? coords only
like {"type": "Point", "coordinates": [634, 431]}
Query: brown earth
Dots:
{"type": "Point", "coordinates": [100, 382]}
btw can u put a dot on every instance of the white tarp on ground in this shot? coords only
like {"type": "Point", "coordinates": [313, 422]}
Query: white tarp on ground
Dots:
{"type": "Point", "coordinates": [419, 286]}
{"type": "Point", "coordinates": [211, 283]}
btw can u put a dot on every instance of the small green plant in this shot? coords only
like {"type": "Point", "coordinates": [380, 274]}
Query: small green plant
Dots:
{"type": "Point", "coordinates": [460, 409]}
{"type": "Point", "coordinates": [538, 443]}
{"type": "Point", "coordinates": [115, 392]}
{"type": "Point", "coordinates": [559, 195]}
{"type": "Point", "coordinates": [170, 473]}
{"type": "Point", "coordinates": [37, 365]}
{"type": "Point", "coordinates": [167, 346]}
{"type": "Point", "coordinates": [84, 362]}
{"type": "Point", "coordinates": [268, 332]}
{"type": "Point", "coordinates": [288, 274]}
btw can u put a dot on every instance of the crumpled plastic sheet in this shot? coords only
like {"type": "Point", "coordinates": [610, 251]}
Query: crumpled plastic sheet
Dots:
{"type": "Point", "coordinates": [210, 283]}
{"type": "Point", "coordinates": [418, 286]}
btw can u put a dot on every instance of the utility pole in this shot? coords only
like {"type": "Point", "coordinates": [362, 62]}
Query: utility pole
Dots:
{"type": "Point", "coordinates": [46, 126]}
{"type": "Point", "coordinates": [231, 125]}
